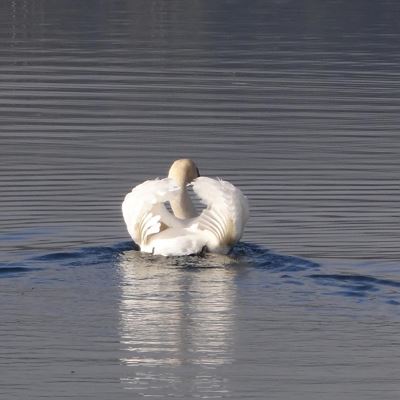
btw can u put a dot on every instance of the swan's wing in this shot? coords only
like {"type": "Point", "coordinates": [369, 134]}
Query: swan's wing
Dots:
{"type": "Point", "coordinates": [227, 211]}
{"type": "Point", "coordinates": [144, 212]}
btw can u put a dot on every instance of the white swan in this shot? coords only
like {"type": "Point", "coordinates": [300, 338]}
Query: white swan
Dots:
{"type": "Point", "coordinates": [157, 231]}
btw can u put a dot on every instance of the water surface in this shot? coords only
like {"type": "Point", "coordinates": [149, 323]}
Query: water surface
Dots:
{"type": "Point", "coordinates": [295, 102]}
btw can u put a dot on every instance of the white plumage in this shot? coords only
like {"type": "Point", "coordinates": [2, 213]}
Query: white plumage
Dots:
{"type": "Point", "coordinates": [218, 227]}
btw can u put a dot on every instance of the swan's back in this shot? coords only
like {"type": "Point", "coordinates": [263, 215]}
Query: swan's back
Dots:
{"type": "Point", "coordinates": [157, 231]}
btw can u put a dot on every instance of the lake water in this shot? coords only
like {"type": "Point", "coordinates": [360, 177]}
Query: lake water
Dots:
{"type": "Point", "coordinates": [295, 102]}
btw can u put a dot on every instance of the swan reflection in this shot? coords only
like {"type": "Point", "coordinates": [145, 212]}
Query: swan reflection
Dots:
{"type": "Point", "coordinates": [176, 313]}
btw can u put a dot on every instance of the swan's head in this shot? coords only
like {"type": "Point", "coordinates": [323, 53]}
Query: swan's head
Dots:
{"type": "Point", "coordinates": [183, 171]}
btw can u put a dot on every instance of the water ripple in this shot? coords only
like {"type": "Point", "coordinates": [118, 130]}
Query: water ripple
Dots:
{"type": "Point", "coordinates": [272, 269]}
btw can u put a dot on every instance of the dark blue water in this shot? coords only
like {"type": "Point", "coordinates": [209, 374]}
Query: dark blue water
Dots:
{"type": "Point", "coordinates": [295, 102]}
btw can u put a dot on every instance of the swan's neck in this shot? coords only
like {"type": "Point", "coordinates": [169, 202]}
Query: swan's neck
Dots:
{"type": "Point", "coordinates": [182, 206]}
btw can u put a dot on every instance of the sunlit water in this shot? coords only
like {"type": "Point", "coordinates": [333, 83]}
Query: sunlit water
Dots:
{"type": "Point", "coordinates": [297, 103]}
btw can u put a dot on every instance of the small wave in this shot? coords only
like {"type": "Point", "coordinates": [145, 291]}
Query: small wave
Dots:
{"type": "Point", "coordinates": [361, 286]}
{"type": "Point", "coordinates": [263, 258]}
{"type": "Point", "coordinates": [280, 269]}
{"type": "Point", "coordinates": [243, 254]}
{"type": "Point", "coordinates": [87, 255]}
{"type": "Point", "coordinates": [10, 270]}
{"type": "Point", "coordinates": [359, 282]}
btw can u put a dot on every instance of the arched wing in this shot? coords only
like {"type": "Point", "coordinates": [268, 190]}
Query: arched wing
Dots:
{"type": "Point", "coordinates": [144, 211]}
{"type": "Point", "coordinates": [227, 210]}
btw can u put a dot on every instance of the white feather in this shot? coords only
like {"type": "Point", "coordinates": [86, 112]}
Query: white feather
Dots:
{"type": "Point", "coordinates": [143, 209]}
{"type": "Point", "coordinates": [158, 231]}
{"type": "Point", "coordinates": [226, 214]}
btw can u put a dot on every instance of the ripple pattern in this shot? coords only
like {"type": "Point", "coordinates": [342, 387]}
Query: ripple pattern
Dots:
{"type": "Point", "coordinates": [304, 120]}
